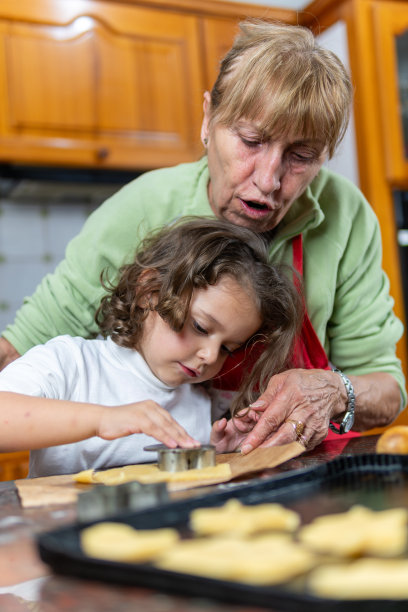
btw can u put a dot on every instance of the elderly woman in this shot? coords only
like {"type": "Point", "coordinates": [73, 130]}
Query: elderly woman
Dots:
{"type": "Point", "coordinates": [278, 109]}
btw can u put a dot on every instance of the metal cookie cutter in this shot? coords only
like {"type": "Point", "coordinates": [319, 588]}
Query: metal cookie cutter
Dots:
{"type": "Point", "coordinates": [103, 501]}
{"type": "Point", "coordinates": [179, 459]}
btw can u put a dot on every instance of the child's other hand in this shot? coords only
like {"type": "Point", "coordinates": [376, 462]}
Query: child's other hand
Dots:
{"type": "Point", "coordinates": [227, 435]}
{"type": "Point", "coordinates": [143, 417]}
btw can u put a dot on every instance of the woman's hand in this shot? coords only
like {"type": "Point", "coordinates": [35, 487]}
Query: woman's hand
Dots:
{"type": "Point", "coordinates": [313, 398]}
{"type": "Point", "coordinates": [143, 417]}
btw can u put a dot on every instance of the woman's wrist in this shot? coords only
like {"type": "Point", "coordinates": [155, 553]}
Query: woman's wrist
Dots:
{"type": "Point", "coordinates": [345, 420]}
{"type": "Point", "coordinates": [340, 406]}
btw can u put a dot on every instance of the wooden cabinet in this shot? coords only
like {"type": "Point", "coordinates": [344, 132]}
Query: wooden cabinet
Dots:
{"type": "Point", "coordinates": [115, 84]}
{"type": "Point", "coordinates": [98, 84]}
{"type": "Point", "coordinates": [390, 21]}
{"type": "Point", "coordinates": [217, 35]}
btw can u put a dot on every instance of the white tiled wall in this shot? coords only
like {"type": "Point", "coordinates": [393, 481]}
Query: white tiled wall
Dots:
{"type": "Point", "coordinates": [33, 238]}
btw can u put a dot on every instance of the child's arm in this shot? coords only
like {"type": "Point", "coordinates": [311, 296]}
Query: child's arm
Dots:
{"type": "Point", "coordinates": [28, 423]}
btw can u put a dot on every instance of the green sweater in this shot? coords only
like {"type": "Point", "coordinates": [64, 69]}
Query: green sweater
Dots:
{"type": "Point", "coordinates": [347, 293]}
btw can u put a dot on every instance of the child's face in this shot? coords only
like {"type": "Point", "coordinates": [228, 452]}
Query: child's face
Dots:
{"type": "Point", "coordinates": [221, 318]}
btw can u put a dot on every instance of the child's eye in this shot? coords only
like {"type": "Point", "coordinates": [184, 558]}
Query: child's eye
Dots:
{"type": "Point", "coordinates": [199, 328]}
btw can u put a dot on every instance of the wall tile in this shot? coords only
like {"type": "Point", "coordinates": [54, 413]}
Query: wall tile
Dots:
{"type": "Point", "coordinates": [33, 238]}
{"type": "Point", "coordinates": [63, 223]}
{"type": "Point", "coordinates": [21, 230]}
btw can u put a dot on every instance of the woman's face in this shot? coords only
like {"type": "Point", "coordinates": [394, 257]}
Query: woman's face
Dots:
{"type": "Point", "coordinates": [253, 182]}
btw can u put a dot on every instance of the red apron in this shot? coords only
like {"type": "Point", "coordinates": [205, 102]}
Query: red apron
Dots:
{"type": "Point", "coordinates": [308, 351]}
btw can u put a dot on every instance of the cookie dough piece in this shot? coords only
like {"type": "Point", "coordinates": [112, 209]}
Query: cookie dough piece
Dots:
{"type": "Point", "coordinates": [362, 579]}
{"type": "Point", "coordinates": [268, 560]}
{"type": "Point", "coordinates": [358, 531]}
{"type": "Point", "coordinates": [235, 517]}
{"type": "Point", "coordinates": [218, 558]}
{"type": "Point", "coordinates": [120, 542]}
{"type": "Point", "coordinates": [275, 559]}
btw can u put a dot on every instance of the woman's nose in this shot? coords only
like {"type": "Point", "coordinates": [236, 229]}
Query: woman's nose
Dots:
{"type": "Point", "coordinates": [268, 170]}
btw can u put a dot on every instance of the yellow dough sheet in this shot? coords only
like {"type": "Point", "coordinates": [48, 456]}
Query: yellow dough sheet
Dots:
{"type": "Point", "coordinates": [150, 473]}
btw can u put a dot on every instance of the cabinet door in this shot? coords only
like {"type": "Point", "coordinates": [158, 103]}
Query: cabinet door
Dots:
{"type": "Point", "coordinates": [14, 466]}
{"type": "Point", "coordinates": [391, 37]}
{"type": "Point", "coordinates": [98, 83]}
{"type": "Point", "coordinates": [218, 36]}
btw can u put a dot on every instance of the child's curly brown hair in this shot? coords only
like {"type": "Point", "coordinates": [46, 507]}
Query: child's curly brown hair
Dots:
{"type": "Point", "coordinates": [191, 254]}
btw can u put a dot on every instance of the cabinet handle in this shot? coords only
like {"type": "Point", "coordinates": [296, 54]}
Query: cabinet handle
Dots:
{"type": "Point", "coordinates": [102, 153]}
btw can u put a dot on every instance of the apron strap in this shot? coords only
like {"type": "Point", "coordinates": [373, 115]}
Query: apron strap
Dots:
{"type": "Point", "coordinates": [309, 352]}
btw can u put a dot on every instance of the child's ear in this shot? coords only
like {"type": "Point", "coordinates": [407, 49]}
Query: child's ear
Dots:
{"type": "Point", "coordinates": [147, 289]}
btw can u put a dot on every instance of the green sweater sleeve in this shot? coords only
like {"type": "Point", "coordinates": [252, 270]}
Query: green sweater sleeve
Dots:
{"type": "Point", "coordinates": [348, 293]}
{"type": "Point", "coordinates": [65, 301]}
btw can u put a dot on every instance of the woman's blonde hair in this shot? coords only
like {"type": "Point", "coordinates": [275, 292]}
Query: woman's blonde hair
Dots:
{"type": "Point", "coordinates": [278, 75]}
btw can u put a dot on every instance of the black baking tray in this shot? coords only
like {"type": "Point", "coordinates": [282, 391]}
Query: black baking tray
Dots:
{"type": "Point", "coordinates": [374, 480]}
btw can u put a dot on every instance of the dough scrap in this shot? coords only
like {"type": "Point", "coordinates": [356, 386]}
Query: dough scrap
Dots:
{"type": "Point", "coordinates": [238, 518]}
{"type": "Point", "coordinates": [121, 542]}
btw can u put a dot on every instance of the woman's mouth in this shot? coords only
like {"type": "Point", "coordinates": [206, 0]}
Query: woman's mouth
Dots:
{"type": "Point", "coordinates": [255, 209]}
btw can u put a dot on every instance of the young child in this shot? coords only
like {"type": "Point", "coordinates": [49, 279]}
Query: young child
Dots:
{"type": "Point", "coordinates": [196, 292]}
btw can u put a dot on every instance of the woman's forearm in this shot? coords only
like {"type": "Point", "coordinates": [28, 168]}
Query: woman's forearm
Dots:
{"type": "Point", "coordinates": [378, 400]}
{"type": "Point", "coordinates": [28, 423]}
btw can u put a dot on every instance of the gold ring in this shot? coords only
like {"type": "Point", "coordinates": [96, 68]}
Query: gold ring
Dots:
{"type": "Point", "coordinates": [298, 426]}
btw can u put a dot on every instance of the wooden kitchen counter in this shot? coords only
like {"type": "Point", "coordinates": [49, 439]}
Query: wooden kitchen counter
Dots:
{"type": "Point", "coordinates": [26, 584]}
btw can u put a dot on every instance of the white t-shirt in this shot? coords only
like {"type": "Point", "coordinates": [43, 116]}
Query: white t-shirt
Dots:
{"type": "Point", "coordinates": [101, 372]}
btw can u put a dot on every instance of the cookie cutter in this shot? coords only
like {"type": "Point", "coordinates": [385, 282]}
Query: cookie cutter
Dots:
{"type": "Point", "coordinates": [180, 459]}
{"type": "Point", "coordinates": [107, 500]}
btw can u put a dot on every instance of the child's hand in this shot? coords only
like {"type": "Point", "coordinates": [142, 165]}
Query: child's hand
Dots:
{"type": "Point", "coordinates": [143, 417]}
{"type": "Point", "coordinates": [227, 435]}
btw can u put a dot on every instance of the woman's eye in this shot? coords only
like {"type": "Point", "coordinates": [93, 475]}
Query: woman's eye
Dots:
{"type": "Point", "coordinates": [303, 158]}
{"type": "Point", "coordinates": [251, 143]}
